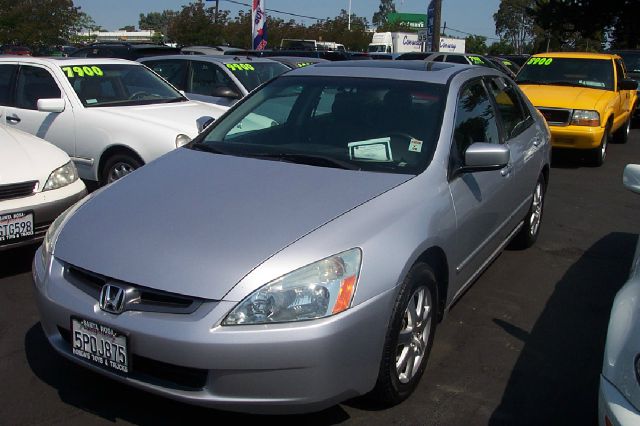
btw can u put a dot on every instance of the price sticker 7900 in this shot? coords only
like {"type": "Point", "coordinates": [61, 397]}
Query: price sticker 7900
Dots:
{"type": "Point", "coordinates": [82, 71]}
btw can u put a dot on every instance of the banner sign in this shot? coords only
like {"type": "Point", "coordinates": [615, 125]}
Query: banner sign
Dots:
{"type": "Point", "coordinates": [258, 25]}
{"type": "Point", "coordinates": [431, 14]}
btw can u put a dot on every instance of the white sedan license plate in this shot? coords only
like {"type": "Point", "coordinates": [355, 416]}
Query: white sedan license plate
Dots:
{"type": "Point", "coordinates": [100, 344]}
{"type": "Point", "coordinates": [14, 226]}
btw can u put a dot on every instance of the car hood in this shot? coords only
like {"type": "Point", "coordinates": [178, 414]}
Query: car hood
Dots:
{"type": "Point", "coordinates": [564, 96]}
{"type": "Point", "coordinates": [196, 223]}
{"type": "Point", "coordinates": [179, 116]}
{"type": "Point", "coordinates": [24, 157]}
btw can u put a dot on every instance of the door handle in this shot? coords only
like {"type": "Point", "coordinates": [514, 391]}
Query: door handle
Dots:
{"type": "Point", "coordinates": [506, 171]}
{"type": "Point", "coordinates": [13, 119]}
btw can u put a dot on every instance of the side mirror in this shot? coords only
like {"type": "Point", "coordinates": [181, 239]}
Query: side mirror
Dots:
{"type": "Point", "coordinates": [225, 92]}
{"type": "Point", "coordinates": [627, 84]}
{"type": "Point", "coordinates": [51, 105]}
{"type": "Point", "coordinates": [482, 156]}
{"type": "Point", "coordinates": [204, 122]}
{"type": "Point", "coordinates": [631, 177]}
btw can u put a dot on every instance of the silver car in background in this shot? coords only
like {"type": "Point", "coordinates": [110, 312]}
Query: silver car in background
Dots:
{"type": "Point", "coordinates": [301, 250]}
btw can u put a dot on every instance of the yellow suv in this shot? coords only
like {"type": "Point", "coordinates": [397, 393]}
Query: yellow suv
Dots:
{"type": "Point", "coordinates": [586, 99]}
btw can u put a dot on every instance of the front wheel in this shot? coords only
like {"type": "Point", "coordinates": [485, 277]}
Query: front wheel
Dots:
{"type": "Point", "coordinates": [409, 338]}
{"type": "Point", "coordinates": [530, 230]}
{"type": "Point", "coordinates": [117, 167]}
{"type": "Point", "coordinates": [599, 154]}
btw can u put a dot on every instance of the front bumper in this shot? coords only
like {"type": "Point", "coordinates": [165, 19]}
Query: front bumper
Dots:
{"type": "Point", "coordinates": [46, 207]}
{"type": "Point", "coordinates": [614, 406]}
{"type": "Point", "coordinates": [277, 368]}
{"type": "Point", "coordinates": [576, 137]}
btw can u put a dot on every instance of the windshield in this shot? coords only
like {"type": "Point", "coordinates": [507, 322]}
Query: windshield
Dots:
{"type": "Point", "coordinates": [379, 48]}
{"type": "Point", "coordinates": [118, 85]}
{"type": "Point", "coordinates": [252, 75]}
{"type": "Point", "coordinates": [353, 123]}
{"type": "Point", "coordinates": [631, 61]}
{"type": "Point", "coordinates": [592, 73]}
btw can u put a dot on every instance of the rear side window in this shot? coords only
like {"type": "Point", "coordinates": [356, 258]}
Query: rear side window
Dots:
{"type": "Point", "coordinates": [513, 114]}
{"type": "Point", "coordinates": [34, 83]}
{"type": "Point", "coordinates": [457, 59]}
{"type": "Point", "coordinates": [7, 78]}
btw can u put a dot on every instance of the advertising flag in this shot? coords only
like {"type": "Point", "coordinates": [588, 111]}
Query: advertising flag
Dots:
{"type": "Point", "coordinates": [431, 12]}
{"type": "Point", "coordinates": [258, 25]}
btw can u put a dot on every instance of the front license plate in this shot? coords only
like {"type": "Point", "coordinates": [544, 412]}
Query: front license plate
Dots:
{"type": "Point", "coordinates": [100, 344]}
{"type": "Point", "coordinates": [14, 226]}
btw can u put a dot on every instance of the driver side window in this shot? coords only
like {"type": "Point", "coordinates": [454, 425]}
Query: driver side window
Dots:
{"type": "Point", "coordinates": [475, 121]}
{"type": "Point", "coordinates": [35, 83]}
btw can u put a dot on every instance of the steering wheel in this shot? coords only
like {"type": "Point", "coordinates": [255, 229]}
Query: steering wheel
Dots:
{"type": "Point", "coordinates": [139, 95]}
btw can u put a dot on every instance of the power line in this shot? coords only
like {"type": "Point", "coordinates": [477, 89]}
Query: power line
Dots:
{"type": "Point", "coordinates": [471, 34]}
{"type": "Point", "coordinates": [277, 11]}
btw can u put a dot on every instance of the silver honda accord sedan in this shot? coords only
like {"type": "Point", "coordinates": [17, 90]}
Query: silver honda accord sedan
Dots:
{"type": "Point", "coordinates": [302, 249]}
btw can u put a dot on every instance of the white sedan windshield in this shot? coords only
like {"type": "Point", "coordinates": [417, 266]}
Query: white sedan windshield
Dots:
{"type": "Point", "coordinates": [118, 85]}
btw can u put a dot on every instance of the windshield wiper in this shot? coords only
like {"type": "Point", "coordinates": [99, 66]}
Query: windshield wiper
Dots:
{"type": "Point", "coordinates": [541, 83]}
{"type": "Point", "coordinates": [313, 160]}
{"type": "Point", "coordinates": [201, 146]}
{"type": "Point", "coordinates": [566, 83]}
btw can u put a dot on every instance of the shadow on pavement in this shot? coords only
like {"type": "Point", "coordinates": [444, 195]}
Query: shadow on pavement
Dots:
{"type": "Point", "coordinates": [114, 401]}
{"type": "Point", "coordinates": [555, 379]}
{"type": "Point", "coordinates": [16, 261]}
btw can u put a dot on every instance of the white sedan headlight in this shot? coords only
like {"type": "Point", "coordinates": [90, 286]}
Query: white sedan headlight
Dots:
{"type": "Point", "coordinates": [62, 176]}
{"type": "Point", "coordinates": [317, 290]}
{"type": "Point", "coordinates": [182, 140]}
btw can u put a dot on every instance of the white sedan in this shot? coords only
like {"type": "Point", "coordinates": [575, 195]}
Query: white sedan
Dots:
{"type": "Point", "coordinates": [37, 183]}
{"type": "Point", "coordinates": [619, 397]}
{"type": "Point", "coordinates": [110, 115]}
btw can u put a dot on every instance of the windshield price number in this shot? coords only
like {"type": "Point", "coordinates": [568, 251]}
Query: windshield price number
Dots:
{"type": "Point", "coordinates": [539, 61]}
{"type": "Point", "coordinates": [475, 60]}
{"type": "Point", "coordinates": [304, 64]}
{"type": "Point", "coordinates": [100, 344]}
{"type": "Point", "coordinates": [82, 71]}
{"type": "Point", "coordinates": [240, 67]}
{"type": "Point", "coordinates": [16, 225]}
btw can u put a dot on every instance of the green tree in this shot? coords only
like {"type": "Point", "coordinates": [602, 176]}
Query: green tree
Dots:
{"type": "Point", "coordinates": [502, 48]}
{"type": "Point", "coordinates": [625, 31]}
{"type": "Point", "coordinates": [514, 23]}
{"type": "Point", "coordinates": [476, 44]}
{"type": "Point", "coordinates": [36, 22]}
{"type": "Point", "coordinates": [195, 24]}
{"type": "Point", "coordinates": [380, 17]}
{"type": "Point", "coordinates": [129, 28]}
{"type": "Point", "coordinates": [157, 21]}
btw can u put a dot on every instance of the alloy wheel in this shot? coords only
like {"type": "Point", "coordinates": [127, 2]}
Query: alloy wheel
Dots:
{"type": "Point", "coordinates": [119, 170]}
{"type": "Point", "coordinates": [414, 334]}
{"type": "Point", "coordinates": [536, 210]}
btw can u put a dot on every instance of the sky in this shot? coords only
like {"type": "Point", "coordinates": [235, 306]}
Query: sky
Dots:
{"type": "Point", "coordinates": [471, 16]}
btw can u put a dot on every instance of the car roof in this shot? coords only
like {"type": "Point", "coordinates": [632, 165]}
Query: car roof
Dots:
{"type": "Point", "coordinates": [223, 59]}
{"type": "Point", "coordinates": [432, 72]}
{"type": "Point", "coordinates": [62, 61]}
{"type": "Point", "coordinates": [576, 55]}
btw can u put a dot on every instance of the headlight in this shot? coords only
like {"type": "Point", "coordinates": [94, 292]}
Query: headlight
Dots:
{"type": "Point", "coordinates": [182, 140]}
{"type": "Point", "coordinates": [53, 232]}
{"type": "Point", "coordinates": [61, 176]}
{"type": "Point", "coordinates": [583, 117]}
{"type": "Point", "coordinates": [317, 290]}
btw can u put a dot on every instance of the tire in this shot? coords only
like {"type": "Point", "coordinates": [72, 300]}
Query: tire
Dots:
{"type": "Point", "coordinates": [409, 339]}
{"type": "Point", "coordinates": [598, 155]}
{"type": "Point", "coordinates": [621, 135]}
{"type": "Point", "coordinates": [529, 232]}
{"type": "Point", "coordinates": [118, 166]}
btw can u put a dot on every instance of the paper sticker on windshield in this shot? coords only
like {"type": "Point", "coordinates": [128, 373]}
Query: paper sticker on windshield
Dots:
{"type": "Point", "coordinates": [371, 150]}
{"type": "Point", "coordinates": [240, 67]}
{"type": "Point", "coordinates": [415, 145]}
{"type": "Point", "coordinates": [539, 61]}
{"type": "Point", "coordinates": [475, 60]}
{"type": "Point", "coordinates": [83, 71]}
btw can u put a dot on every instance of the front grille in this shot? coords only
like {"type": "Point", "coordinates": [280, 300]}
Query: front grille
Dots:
{"type": "Point", "coordinates": [17, 190]}
{"type": "Point", "coordinates": [145, 299]}
{"type": "Point", "coordinates": [156, 372]}
{"type": "Point", "coordinates": [556, 117]}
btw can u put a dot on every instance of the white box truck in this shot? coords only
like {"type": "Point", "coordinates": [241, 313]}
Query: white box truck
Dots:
{"type": "Point", "coordinates": [395, 42]}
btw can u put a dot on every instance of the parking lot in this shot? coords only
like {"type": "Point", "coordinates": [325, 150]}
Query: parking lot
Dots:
{"type": "Point", "coordinates": [523, 346]}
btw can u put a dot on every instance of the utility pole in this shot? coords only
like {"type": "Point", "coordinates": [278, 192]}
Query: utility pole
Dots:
{"type": "Point", "coordinates": [349, 15]}
{"type": "Point", "coordinates": [435, 41]}
{"type": "Point", "coordinates": [215, 19]}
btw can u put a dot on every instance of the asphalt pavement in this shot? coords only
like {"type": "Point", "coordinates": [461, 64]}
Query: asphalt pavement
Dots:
{"type": "Point", "coordinates": [523, 346]}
